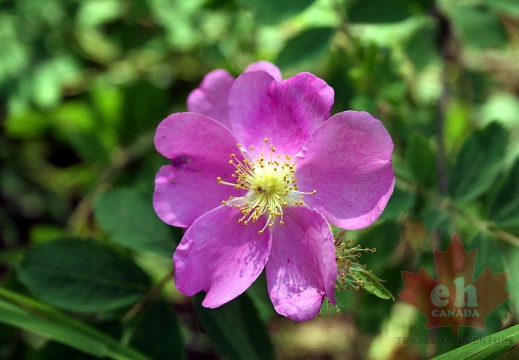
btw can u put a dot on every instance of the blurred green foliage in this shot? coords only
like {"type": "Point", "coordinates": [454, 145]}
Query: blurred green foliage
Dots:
{"type": "Point", "coordinates": [85, 265]}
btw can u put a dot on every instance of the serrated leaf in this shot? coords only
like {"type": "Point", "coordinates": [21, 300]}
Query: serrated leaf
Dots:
{"type": "Point", "coordinates": [235, 329]}
{"type": "Point", "coordinates": [127, 216]}
{"type": "Point", "coordinates": [490, 253]}
{"type": "Point", "coordinates": [75, 122]}
{"type": "Point", "coordinates": [420, 48]}
{"type": "Point", "coordinates": [478, 162]}
{"type": "Point", "coordinates": [504, 209]}
{"type": "Point", "coordinates": [372, 284]}
{"type": "Point", "coordinates": [82, 275]}
{"type": "Point", "coordinates": [95, 13]}
{"type": "Point", "coordinates": [479, 26]}
{"type": "Point", "coordinates": [400, 202]}
{"type": "Point", "coordinates": [157, 332]}
{"type": "Point", "coordinates": [421, 159]}
{"type": "Point", "coordinates": [305, 46]}
{"type": "Point", "coordinates": [455, 268]}
{"type": "Point", "coordinates": [45, 85]}
{"type": "Point", "coordinates": [274, 11]}
{"type": "Point", "coordinates": [510, 7]}
{"type": "Point", "coordinates": [505, 256]}
{"type": "Point", "coordinates": [457, 124]}
{"type": "Point", "coordinates": [384, 11]}
{"type": "Point", "coordinates": [436, 219]}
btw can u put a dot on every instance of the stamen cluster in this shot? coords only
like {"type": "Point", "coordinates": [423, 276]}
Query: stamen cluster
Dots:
{"type": "Point", "coordinates": [271, 185]}
{"type": "Point", "coordinates": [348, 267]}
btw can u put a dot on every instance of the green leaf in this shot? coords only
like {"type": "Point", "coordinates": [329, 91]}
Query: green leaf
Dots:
{"type": "Point", "coordinates": [259, 295]}
{"type": "Point", "coordinates": [29, 314]}
{"type": "Point", "coordinates": [478, 163]}
{"type": "Point", "coordinates": [305, 46]}
{"type": "Point", "coordinates": [420, 48]}
{"type": "Point", "coordinates": [26, 125]}
{"type": "Point", "coordinates": [457, 124]}
{"type": "Point", "coordinates": [487, 348]}
{"type": "Point", "coordinates": [75, 122]}
{"type": "Point", "coordinates": [142, 101]}
{"type": "Point", "coordinates": [504, 209]}
{"type": "Point", "coordinates": [421, 159]}
{"type": "Point", "coordinates": [479, 27]}
{"type": "Point", "coordinates": [235, 329]}
{"type": "Point", "coordinates": [384, 11]}
{"type": "Point", "coordinates": [510, 7]}
{"type": "Point", "coordinates": [82, 275]}
{"type": "Point", "coordinates": [372, 284]}
{"type": "Point", "coordinates": [400, 202]}
{"type": "Point", "coordinates": [274, 11]}
{"type": "Point", "coordinates": [510, 260]}
{"type": "Point", "coordinates": [157, 332]}
{"type": "Point", "coordinates": [382, 236]}
{"type": "Point", "coordinates": [489, 253]}
{"type": "Point", "coordinates": [127, 216]}
{"type": "Point", "coordinates": [96, 12]}
{"type": "Point", "coordinates": [437, 219]}
{"type": "Point", "coordinates": [46, 90]}
{"type": "Point", "coordinates": [497, 256]}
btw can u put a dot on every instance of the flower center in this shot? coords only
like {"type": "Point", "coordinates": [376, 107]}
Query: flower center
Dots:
{"type": "Point", "coordinates": [271, 185]}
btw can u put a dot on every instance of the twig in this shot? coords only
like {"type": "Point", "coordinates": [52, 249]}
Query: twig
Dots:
{"type": "Point", "coordinates": [448, 205]}
{"type": "Point", "coordinates": [151, 294]}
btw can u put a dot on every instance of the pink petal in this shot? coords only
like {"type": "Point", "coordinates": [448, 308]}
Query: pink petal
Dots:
{"type": "Point", "coordinates": [301, 269]}
{"type": "Point", "coordinates": [221, 256]}
{"type": "Point", "coordinates": [272, 69]}
{"type": "Point", "coordinates": [348, 161]}
{"type": "Point", "coordinates": [211, 97]}
{"type": "Point", "coordinates": [286, 112]}
{"type": "Point", "coordinates": [199, 150]}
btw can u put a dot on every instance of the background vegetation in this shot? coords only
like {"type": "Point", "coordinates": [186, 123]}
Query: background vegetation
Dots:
{"type": "Point", "coordinates": [85, 265]}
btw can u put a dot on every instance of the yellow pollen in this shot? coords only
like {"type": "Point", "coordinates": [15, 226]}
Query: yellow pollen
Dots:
{"type": "Point", "coordinates": [270, 183]}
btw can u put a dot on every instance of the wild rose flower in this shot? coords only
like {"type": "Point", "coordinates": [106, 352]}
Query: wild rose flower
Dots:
{"type": "Point", "coordinates": [257, 171]}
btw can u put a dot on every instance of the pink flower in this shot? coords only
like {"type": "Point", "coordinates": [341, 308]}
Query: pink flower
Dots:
{"type": "Point", "coordinates": [257, 171]}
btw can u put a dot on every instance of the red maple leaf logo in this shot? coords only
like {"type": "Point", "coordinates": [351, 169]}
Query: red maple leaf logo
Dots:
{"type": "Point", "coordinates": [455, 299]}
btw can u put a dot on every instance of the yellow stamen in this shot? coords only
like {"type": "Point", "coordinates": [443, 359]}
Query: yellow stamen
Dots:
{"type": "Point", "coordinates": [270, 183]}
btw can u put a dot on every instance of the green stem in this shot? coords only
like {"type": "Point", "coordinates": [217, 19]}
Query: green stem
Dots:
{"type": "Point", "coordinates": [452, 208]}
{"type": "Point", "coordinates": [152, 293]}
{"type": "Point", "coordinates": [120, 159]}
